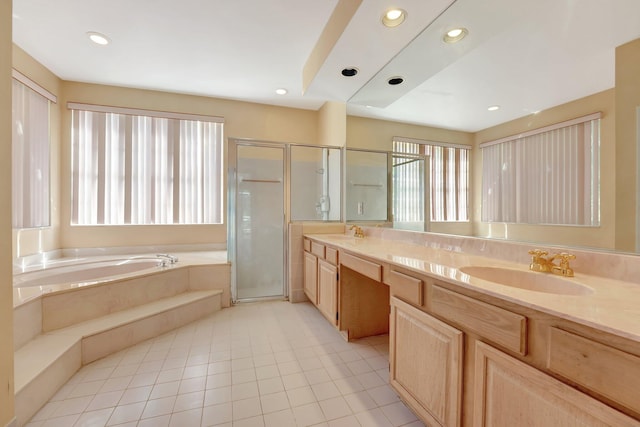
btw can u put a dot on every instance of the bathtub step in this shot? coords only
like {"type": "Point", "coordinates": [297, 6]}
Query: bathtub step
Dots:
{"type": "Point", "coordinates": [45, 363]}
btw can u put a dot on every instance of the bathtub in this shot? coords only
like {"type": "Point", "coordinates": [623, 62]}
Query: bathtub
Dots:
{"type": "Point", "coordinates": [84, 270]}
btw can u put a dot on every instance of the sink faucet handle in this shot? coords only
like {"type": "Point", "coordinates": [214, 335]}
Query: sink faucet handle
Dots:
{"type": "Point", "coordinates": [564, 268]}
{"type": "Point", "coordinates": [538, 260]}
{"type": "Point", "coordinates": [538, 253]}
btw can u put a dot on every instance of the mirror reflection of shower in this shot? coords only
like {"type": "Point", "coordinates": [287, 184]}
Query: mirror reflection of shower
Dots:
{"type": "Point", "coordinates": [315, 183]}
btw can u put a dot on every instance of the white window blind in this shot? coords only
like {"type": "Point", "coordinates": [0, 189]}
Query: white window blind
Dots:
{"type": "Point", "coordinates": [449, 178]}
{"type": "Point", "coordinates": [145, 167]}
{"type": "Point", "coordinates": [547, 176]}
{"type": "Point", "coordinates": [30, 157]}
{"type": "Point", "coordinates": [408, 185]}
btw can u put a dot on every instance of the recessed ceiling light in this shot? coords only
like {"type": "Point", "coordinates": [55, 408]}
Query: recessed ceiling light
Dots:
{"type": "Point", "coordinates": [393, 81]}
{"type": "Point", "coordinates": [281, 91]}
{"type": "Point", "coordinates": [455, 35]}
{"type": "Point", "coordinates": [349, 72]}
{"type": "Point", "coordinates": [393, 17]}
{"type": "Point", "coordinates": [493, 107]}
{"type": "Point", "coordinates": [98, 38]}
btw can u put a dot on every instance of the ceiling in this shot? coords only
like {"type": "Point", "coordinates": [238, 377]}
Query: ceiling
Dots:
{"type": "Point", "coordinates": [523, 55]}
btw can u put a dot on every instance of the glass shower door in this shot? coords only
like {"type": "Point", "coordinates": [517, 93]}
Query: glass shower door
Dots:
{"type": "Point", "coordinates": [259, 222]}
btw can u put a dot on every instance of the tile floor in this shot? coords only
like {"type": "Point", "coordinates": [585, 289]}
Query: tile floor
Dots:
{"type": "Point", "coordinates": [262, 364]}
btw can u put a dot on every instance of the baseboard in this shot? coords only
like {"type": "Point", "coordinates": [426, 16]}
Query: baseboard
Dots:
{"type": "Point", "coordinates": [13, 423]}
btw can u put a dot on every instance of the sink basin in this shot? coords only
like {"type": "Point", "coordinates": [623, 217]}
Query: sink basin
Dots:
{"type": "Point", "coordinates": [528, 280]}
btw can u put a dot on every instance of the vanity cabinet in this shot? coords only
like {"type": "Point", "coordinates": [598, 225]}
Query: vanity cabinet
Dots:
{"type": "Point", "coordinates": [454, 357]}
{"type": "Point", "coordinates": [425, 362]}
{"type": "Point", "coordinates": [311, 277]}
{"type": "Point", "coordinates": [321, 278]}
{"type": "Point", "coordinates": [508, 392]}
{"type": "Point", "coordinates": [328, 291]}
{"type": "Point", "coordinates": [460, 357]}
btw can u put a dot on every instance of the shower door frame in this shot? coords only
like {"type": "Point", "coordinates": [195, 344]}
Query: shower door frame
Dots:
{"type": "Point", "coordinates": [232, 188]}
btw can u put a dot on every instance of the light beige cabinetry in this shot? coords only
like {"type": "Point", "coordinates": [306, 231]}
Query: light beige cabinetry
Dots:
{"type": "Point", "coordinates": [520, 367]}
{"type": "Point", "coordinates": [460, 357]}
{"type": "Point", "coordinates": [311, 276]}
{"type": "Point", "coordinates": [321, 278]}
{"type": "Point", "coordinates": [509, 392]}
{"type": "Point", "coordinates": [328, 291]}
{"type": "Point", "coordinates": [425, 361]}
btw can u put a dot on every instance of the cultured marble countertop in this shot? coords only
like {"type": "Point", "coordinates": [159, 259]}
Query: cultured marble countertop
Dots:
{"type": "Point", "coordinates": [185, 259]}
{"type": "Point", "coordinates": [613, 306]}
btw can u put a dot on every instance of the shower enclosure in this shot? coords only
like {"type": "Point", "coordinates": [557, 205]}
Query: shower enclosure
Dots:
{"type": "Point", "coordinates": [257, 219]}
{"type": "Point", "coordinates": [269, 184]}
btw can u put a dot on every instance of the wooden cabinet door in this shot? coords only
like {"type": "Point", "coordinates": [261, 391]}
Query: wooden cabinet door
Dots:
{"type": "Point", "coordinates": [425, 357]}
{"type": "Point", "coordinates": [311, 277]}
{"type": "Point", "coordinates": [508, 392]}
{"type": "Point", "coordinates": [328, 291]}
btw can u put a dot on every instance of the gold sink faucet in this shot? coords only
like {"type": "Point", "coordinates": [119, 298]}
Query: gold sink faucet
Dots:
{"type": "Point", "coordinates": [540, 262]}
{"type": "Point", "coordinates": [358, 233]}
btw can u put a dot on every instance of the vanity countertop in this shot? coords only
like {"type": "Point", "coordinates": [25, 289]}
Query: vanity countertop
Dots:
{"type": "Point", "coordinates": [612, 307]}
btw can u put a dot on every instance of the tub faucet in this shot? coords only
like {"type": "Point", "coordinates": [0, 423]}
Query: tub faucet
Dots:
{"type": "Point", "coordinates": [172, 259]}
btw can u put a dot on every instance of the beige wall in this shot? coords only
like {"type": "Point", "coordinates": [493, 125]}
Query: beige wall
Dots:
{"type": "Point", "coordinates": [242, 120]}
{"type": "Point", "coordinates": [6, 279]}
{"type": "Point", "coordinates": [378, 134]}
{"type": "Point", "coordinates": [35, 240]}
{"type": "Point", "coordinates": [603, 236]}
{"type": "Point", "coordinates": [627, 101]}
{"type": "Point", "coordinates": [332, 124]}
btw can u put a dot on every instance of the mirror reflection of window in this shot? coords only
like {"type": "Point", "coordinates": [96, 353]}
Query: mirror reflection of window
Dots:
{"type": "Point", "coordinates": [449, 177]}
{"type": "Point", "coordinates": [545, 176]}
{"type": "Point", "coordinates": [410, 182]}
{"type": "Point", "coordinates": [30, 154]}
{"type": "Point", "coordinates": [315, 183]}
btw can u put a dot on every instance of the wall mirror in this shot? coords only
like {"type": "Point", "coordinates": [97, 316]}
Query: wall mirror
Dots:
{"type": "Point", "coordinates": [527, 57]}
{"type": "Point", "coordinates": [386, 188]}
{"type": "Point", "coordinates": [315, 183]}
{"type": "Point", "coordinates": [366, 185]}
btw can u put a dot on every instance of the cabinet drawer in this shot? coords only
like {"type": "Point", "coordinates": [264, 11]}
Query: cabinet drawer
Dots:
{"type": "Point", "coordinates": [493, 323]}
{"type": "Point", "coordinates": [317, 249]}
{"type": "Point", "coordinates": [331, 255]}
{"type": "Point", "coordinates": [307, 245]}
{"type": "Point", "coordinates": [366, 268]}
{"type": "Point", "coordinates": [406, 287]}
{"type": "Point", "coordinates": [598, 367]}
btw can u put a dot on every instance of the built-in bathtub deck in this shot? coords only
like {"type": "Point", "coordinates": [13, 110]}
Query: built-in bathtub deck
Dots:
{"type": "Point", "coordinates": [70, 335]}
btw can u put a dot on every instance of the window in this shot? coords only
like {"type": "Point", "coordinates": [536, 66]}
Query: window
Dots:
{"type": "Point", "coordinates": [30, 153]}
{"type": "Point", "coordinates": [546, 176]}
{"type": "Point", "coordinates": [145, 167]}
{"type": "Point", "coordinates": [449, 178]}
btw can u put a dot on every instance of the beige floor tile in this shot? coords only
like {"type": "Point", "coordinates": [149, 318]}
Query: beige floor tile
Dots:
{"type": "Point", "coordinates": [308, 415]}
{"type": "Point", "coordinates": [246, 408]}
{"type": "Point", "coordinates": [192, 417]}
{"type": "Point", "coordinates": [398, 414]}
{"type": "Point", "coordinates": [335, 408]}
{"type": "Point", "coordinates": [126, 413]}
{"type": "Point", "coordinates": [282, 418]}
{"type": "Point", "coordinates": [217, 414]}
{"type": "Point", "coordinates": [158, 407]}
{"type": "Point", "coordinates": [274, 364]}
{"type": "Point", "coordinates": [274, 402]}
